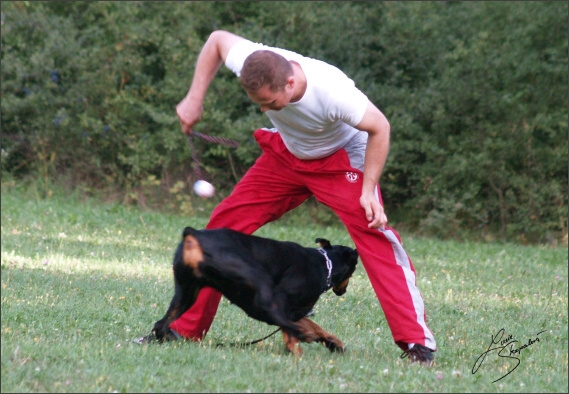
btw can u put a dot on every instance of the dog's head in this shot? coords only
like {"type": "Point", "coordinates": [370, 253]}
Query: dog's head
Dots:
{"type": "Point", "coordinates": [344, 260]}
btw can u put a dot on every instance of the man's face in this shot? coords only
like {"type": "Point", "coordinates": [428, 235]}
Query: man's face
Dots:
{"type": "Point", "coordinates": [269, 100]}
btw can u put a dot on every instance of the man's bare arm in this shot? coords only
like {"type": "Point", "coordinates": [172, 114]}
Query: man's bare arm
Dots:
{"type": "Point", "coordinates": [378, 129]}
{"type": "Point", "coordinates": [212, 56]}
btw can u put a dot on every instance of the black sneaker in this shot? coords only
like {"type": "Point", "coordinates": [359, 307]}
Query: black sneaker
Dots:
{"type": "Point", "coordinates": [419, 354]}
{"type": "Point", "coordinates": [171, 336]}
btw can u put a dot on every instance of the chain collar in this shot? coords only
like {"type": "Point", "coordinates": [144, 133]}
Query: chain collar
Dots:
{"type": "Point", "coordinates": [328, 266]}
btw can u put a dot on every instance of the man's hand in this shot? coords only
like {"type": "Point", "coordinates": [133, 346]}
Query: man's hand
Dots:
{"type": "Point", "coordinates": [189, 112]}
{"type": "Point", "coordinates": [373, 210]}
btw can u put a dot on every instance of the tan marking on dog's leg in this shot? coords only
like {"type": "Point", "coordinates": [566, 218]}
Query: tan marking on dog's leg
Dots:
{"type": "Point", "coordinates": [292, 344]}
{"type": "Point", "coordinates": [314, 332]}
{"type": "Point", "coordinates": [192, 253]}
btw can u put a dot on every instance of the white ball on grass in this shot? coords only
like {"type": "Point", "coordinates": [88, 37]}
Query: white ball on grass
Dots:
{"type": "Point", "coordinates": [204, 189]}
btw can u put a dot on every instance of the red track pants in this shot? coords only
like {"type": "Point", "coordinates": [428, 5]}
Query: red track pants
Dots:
{"type": "Point", "coordinates": [279, 182]}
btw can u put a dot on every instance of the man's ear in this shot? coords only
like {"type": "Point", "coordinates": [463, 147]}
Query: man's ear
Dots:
{"type": "Point", "coordinates": [290, 82]}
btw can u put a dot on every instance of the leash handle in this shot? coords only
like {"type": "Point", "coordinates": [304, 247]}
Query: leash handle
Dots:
{"type": "Point", "coordinates": [209, 138]}
{"type": "Point", "coordinates": [216, 140]}
{"type": "Point", "coordinates": [195, 160]}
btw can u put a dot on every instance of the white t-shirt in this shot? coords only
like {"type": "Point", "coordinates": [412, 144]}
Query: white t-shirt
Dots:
{"type": "Point", "coordinates": [323, 120]}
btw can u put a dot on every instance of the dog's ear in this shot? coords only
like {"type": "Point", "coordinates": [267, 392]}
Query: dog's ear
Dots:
{"type": "Point", "coordinates": [355, 255]}
{"type": "Point", "coordinates": [324, 243]}
{"type": "Point", "coordinates": [188, 231]}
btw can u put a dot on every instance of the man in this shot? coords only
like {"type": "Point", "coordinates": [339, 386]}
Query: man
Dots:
{"type": "Point", "coordinates": [329, 141]}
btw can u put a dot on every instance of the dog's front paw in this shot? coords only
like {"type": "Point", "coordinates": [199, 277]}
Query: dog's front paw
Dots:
{"type": "Point", "coordinates": [334, 344]}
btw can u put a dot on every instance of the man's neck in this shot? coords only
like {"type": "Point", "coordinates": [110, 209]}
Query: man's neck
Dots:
{"type": "Point", "coordinates": [300, 85]}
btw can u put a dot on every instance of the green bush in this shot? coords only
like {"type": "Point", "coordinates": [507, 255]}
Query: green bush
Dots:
{"type": "Point", "coordinates": [476, 94]}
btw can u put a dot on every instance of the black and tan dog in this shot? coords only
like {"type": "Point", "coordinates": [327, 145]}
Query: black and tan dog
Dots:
{"type": "Point", "coordinates": [272, 281]}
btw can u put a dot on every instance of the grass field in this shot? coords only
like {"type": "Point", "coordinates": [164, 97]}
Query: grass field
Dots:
{"type": "Point", "coordinates": [81, 280]}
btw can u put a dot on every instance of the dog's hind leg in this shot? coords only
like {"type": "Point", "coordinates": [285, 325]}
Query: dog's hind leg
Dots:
{"type": "Point", "coordinates": [314, 333]}
{"type": "Point", "coordinates": [187, 284]}
{"type": "Point", "coordinates": [186, 292]}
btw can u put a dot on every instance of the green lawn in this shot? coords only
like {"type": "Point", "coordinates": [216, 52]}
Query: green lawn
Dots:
{"type": "Point", "coordinates": [81, 280]}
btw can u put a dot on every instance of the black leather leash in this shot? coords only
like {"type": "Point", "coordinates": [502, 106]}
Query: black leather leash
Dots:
{"type": "Point", "coordinates": [249, 343]}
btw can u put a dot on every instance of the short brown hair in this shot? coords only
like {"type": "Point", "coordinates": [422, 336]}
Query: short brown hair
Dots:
{"type": "Point", "coordinates": [265, 68]}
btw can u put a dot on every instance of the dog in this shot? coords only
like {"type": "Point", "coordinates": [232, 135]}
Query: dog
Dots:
{"type": "Point", "coordinates": [276, 282]}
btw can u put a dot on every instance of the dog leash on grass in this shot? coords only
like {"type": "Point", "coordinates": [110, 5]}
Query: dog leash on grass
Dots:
{"type": "Point", "coordinates": [311, 313]}
{"type": "Point", "coordinates": [249, 343]}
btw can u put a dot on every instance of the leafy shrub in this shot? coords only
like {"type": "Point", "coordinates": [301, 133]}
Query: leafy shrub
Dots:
{"type": "Point", "coordinates": [475, 93]}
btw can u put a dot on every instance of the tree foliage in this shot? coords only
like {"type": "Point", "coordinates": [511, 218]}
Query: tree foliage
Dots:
{"type": "Point", "coordinates": [476, 94]}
